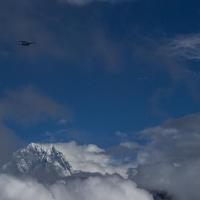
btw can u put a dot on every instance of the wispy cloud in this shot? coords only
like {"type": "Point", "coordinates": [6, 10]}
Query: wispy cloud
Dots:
{"type": "Point", "coordinates": [186, 46]}
{"type": "Point", "coordinates": [164, 54]}
{"type": "Point", "coordinates": [27, 105]}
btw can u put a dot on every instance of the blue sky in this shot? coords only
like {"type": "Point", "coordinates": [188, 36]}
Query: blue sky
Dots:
{"type": "Point", "coordinates": [118, 67]}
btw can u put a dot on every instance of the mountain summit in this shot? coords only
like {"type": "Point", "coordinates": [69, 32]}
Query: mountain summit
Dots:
{"type": "Point", "coordinates": [39, 161]}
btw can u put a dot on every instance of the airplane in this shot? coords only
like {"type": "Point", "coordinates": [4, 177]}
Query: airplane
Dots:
{"type": "Point", "coordinates": [25, 43]}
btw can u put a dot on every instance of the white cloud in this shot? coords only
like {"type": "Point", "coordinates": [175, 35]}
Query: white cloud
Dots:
{"type": "Point", "coordinates": [186, 46]}
{"type": "Point", "coordinates": [171, 160]}
{"type": "Point", "coordinates": [130, 145]}
{"type": "Point", "coordinates": [98, 188]}
{"type": "Point", "coordinates": [89, 158]}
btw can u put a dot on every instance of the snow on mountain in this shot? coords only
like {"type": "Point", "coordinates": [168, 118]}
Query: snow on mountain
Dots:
{"type": "Point", "coordinates": [39, 161]}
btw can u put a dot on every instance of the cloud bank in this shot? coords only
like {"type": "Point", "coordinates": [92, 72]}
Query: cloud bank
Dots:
{"type": "Point", "coordinates": [104, 179]}
{"type": "Point", "coordinates": [99, 188]}
{"type": "Point", "coordinates": [171, 160]}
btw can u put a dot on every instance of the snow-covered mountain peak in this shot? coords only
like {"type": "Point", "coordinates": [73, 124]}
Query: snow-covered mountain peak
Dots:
{"type": "Point", "coordinates": [39, 160]}
{"type": "Point", "coordinates": [37, 148]}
